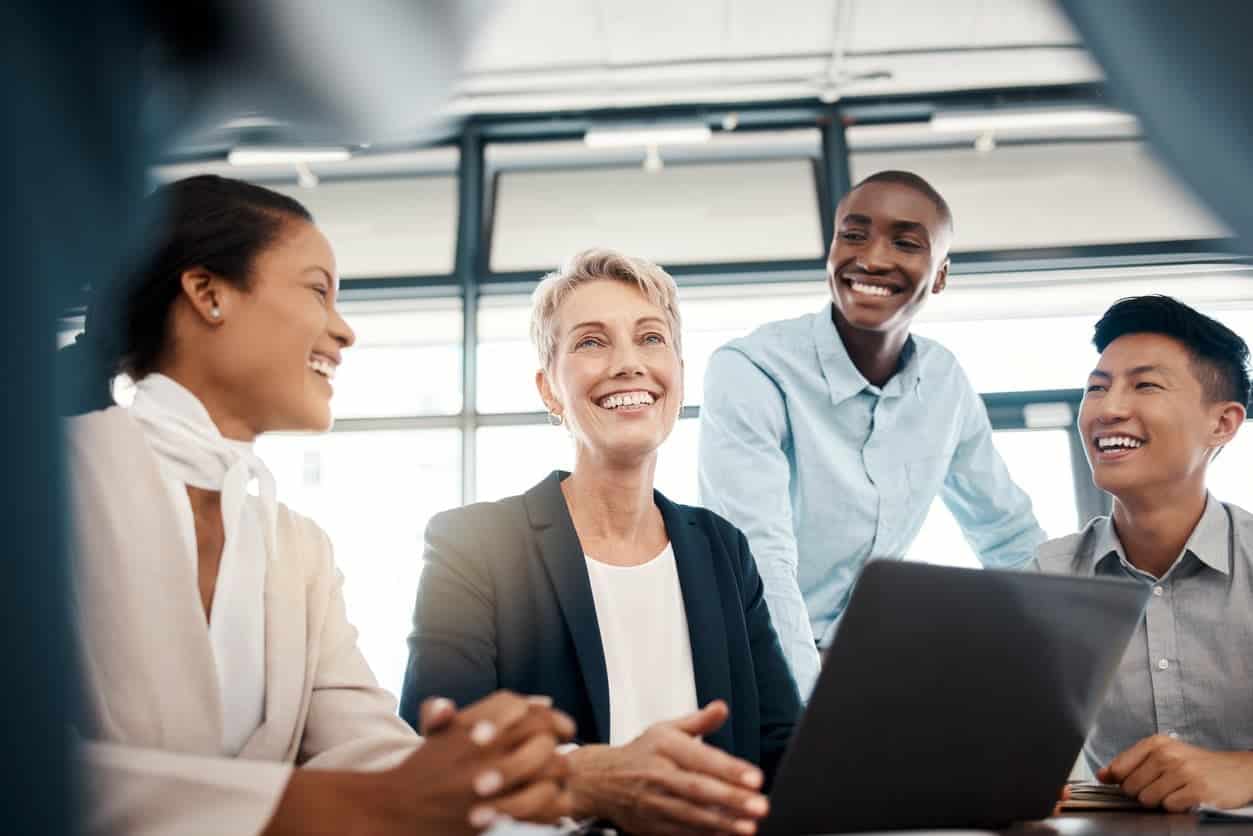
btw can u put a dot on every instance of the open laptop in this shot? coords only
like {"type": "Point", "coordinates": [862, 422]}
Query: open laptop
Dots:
{"type": "Point", "coordinates": [952, 698]}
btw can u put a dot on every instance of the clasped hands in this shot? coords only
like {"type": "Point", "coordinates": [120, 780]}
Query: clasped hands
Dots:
{"type": "Point", "coordinates": [1161, 771]}
{"type": "Point", "coordinates": [499, 757]}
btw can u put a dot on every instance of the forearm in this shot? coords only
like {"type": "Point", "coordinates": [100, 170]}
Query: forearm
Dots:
{"type": "Point", "coordinates": [330, 803]}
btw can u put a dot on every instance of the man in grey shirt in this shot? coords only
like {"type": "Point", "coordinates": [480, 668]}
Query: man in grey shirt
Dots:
{"type": "Point", "coordinates": [1170, 389]}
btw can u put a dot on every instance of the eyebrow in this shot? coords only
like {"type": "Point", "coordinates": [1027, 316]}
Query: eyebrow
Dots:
{"type": "Point", "coordinates": [598, 324]}
{"type": "Point", "coordinates": [899, 226]}
{"type": "Point", "coordinates": [1104, 375]}
{"type": "Point", "coordinates": [329, 278]}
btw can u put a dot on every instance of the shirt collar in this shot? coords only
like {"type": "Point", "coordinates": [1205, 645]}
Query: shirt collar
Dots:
{"type": "Point", "coordinates": [1210, 541]}
{"type": "Point", "coordinates": [843, 379]}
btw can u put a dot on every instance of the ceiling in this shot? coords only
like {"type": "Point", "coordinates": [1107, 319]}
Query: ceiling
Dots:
{"type": "Point", "coordinates": [552, 55]}
{"type": "Point", "coordinates": [543, 57]}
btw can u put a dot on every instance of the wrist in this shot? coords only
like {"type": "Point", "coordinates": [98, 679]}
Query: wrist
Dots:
{"type": "Point", "coordinates": [586, 780]}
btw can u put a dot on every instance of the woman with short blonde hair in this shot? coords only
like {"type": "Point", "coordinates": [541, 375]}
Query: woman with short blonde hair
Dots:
{"type": "Point", "coordinates": [642, 619]}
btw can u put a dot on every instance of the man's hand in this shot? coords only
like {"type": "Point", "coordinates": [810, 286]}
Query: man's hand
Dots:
{"type": "Point", "coordinates": [1160, 771]}
{"type": "Point", "coordinates": [667, 781]}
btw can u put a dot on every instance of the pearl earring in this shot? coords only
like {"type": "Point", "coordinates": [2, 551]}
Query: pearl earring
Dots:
{"type": "Point", "coordinates": [215, 312]}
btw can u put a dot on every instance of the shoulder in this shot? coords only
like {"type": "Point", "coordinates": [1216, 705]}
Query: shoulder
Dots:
{"type": "Point", "coordinates": [724, 538]}
{"type": "Point", "coordinates": [1071, 554]}
{"type": "Point", "coordinates": [939, 365]}
{"type": "Point", "coordinates": [480, 517]}
{"type": "Point", "coordinates": [780, 350]}
{"type": "Point", "coordinates": [1241, 528]}
{"type": "Point", "coordinates": [774, 338]}
{"type": "Point", "coordinates": [101, 431]}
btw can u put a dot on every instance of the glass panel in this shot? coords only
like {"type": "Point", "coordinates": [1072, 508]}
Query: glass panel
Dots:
{"type": "Point", "coordinates": [407, 360]}
{"type": "Point", "coordinates": [748, 210]}
{"type": "Point", "coordinates": [512, 459]}
{"type": "Point", "coordinates": [373, 493]}
{"type": "Point", "coordinates": [1039, 461]}
{"type": "Point", "coordinates": [386, 227]}
{"type": "Point", "coordinates": [1030, 195]}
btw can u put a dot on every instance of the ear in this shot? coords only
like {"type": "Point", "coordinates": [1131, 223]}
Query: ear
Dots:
{"type": "Point", "coordinates": [1229, 417]}
{"type": "Point", "coordinates": [203, 291]}
{"type": "Point", "coordinates": [941, 278]}
{"type": "Point", "coordinates": [546, 393]}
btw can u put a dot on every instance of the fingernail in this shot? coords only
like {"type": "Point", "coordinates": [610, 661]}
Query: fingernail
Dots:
{"type": "Point", "coordinates": [756, 805]}
{"type": "Point", "coordinates": [742, 826]}
{"type": "Point", "coordinates": [441, 704]}
{"type": "Point", "coordinates": [540, 699]}
{"type": "Point", "coordinates": [488, 782]}
{"type": "Point", "coordinates": [483, 733]}
{"type": "Point", "coordinates": [751, 778]}
{"type": "Point", "coordinates": [481, 817]}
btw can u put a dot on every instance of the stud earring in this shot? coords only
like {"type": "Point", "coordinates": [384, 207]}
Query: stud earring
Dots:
{"type": "Point", "coordinates": [215, 312]}
{"type": "Point", "coordinates": [556, 419]}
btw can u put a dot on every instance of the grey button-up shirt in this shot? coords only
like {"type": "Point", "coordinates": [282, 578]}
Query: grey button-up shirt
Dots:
{"type": "Point", "coordinates": [1188, 671]}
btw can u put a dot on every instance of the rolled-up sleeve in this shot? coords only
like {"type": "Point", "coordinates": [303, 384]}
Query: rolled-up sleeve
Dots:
{"type": "Point", "coordinates": [994, 513]}
{"type": "Point", "coordinates": [745, 475]}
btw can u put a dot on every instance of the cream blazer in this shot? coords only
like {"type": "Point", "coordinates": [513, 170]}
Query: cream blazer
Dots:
{"type": "Point", "coordinates": [151, 746]}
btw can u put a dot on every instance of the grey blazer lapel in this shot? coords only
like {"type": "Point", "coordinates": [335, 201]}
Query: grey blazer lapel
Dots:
{"type": "Point", "coordinates": [563, 558]}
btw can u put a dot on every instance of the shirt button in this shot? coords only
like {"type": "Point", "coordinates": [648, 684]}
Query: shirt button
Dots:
{"type": "Point", "coordinates": [1157, 590]}
{"type": "Point", "coordinates": [1162, 664]}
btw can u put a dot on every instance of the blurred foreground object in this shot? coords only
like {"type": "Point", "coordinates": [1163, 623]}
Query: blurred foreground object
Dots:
{"type": "Point", "coordinates": [1185, 69]}
{"type": "Point", "coordinates": [92, 92]}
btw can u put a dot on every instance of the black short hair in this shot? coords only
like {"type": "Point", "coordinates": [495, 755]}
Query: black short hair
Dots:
{"type": "Point", "coordinates": [1220, 358]}
{"type": "Point", "coordinates": [911, 181]}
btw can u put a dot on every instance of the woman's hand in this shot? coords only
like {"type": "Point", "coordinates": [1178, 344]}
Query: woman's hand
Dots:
{"type": "Point", "coordinates": [667, 781]}
{"type": "Point", "coordinates": [496, 758]}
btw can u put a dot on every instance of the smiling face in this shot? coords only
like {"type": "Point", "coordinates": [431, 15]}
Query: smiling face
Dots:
{"type": "Point", "coordinates": [279, 342]}
{"type": "Point", "coordinates": [1147, 425]}
{"type": "Point", "coordinates": [615, 378]}
{"type": "Point", "coordinates": [889, 252]}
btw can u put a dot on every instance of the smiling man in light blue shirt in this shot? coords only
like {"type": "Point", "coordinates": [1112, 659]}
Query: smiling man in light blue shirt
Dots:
{"type": "Point", "coordinates": [827, 437]}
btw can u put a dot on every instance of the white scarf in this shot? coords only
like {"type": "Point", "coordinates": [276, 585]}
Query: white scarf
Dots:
{"type": "Point", "coordinates": [192, 451]}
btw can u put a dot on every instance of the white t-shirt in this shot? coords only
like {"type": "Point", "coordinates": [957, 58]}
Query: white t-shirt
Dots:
{"type": "Point", "coordinates": [648, 652]}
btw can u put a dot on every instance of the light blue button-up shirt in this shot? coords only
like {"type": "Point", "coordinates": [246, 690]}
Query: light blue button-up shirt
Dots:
{"type": "Point", "coordinates": [824, 471]}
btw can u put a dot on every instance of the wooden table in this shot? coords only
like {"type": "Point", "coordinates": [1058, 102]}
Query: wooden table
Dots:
{"type": "Point", "coordinates": [1091, 824]}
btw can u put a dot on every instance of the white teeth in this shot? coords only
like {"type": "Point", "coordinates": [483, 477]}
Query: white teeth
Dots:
{"type": "Point", "coordinates": [322, 366]}
{"type": "Point", "coordinates": [870, 289]}
{"type": "Point", "coordinates": [626, 399]}
{"type": "Point", "coordinates": [1112, 442]}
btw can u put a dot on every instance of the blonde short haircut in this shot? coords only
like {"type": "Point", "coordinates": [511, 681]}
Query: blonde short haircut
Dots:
{"type": "Point", "coordinates": [599, 265]}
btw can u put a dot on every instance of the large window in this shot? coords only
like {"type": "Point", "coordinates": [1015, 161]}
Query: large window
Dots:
{"type": "Point", "coordinates": [1052, 195]}
{"type": "Point", "coordinates": [1039, 462]}
{"type": "Point", "coordinates": [373, 493]}
{"type": "Point", "coordinates": [740, 197]}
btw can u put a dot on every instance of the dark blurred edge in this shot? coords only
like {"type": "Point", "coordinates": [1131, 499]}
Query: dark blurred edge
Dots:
{"type": "Point", "coordinates": [1185, 68]}
{"type": "Point", "coordinates": [72, 155]}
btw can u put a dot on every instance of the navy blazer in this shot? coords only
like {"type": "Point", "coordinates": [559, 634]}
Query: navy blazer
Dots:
{"type": "Point", "coordinates": [505, 602]}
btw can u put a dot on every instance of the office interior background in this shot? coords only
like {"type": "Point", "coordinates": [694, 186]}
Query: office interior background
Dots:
{"type": "Point", "coordinates": [713, 137]}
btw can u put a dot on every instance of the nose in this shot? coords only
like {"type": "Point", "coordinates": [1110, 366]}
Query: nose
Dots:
{"type": "Point", "coordinates": [626, 360]}
{"type": "Point", "coordinates": [873, 258]}
{"type": "Point", "coordinates": [340, 330]}
{"type": "Point", "coordinates": [1113, 407]}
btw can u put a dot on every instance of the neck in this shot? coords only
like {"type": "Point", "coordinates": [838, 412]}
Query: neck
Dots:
{"type": "Point", "coordinates": [876, 354]}
{"type": "Point", "coordinates": [1154, 530]}
{"type": "Point", "coordinates": [611, 502]}
{"type": "Point", "coordinates": [216, 400]}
